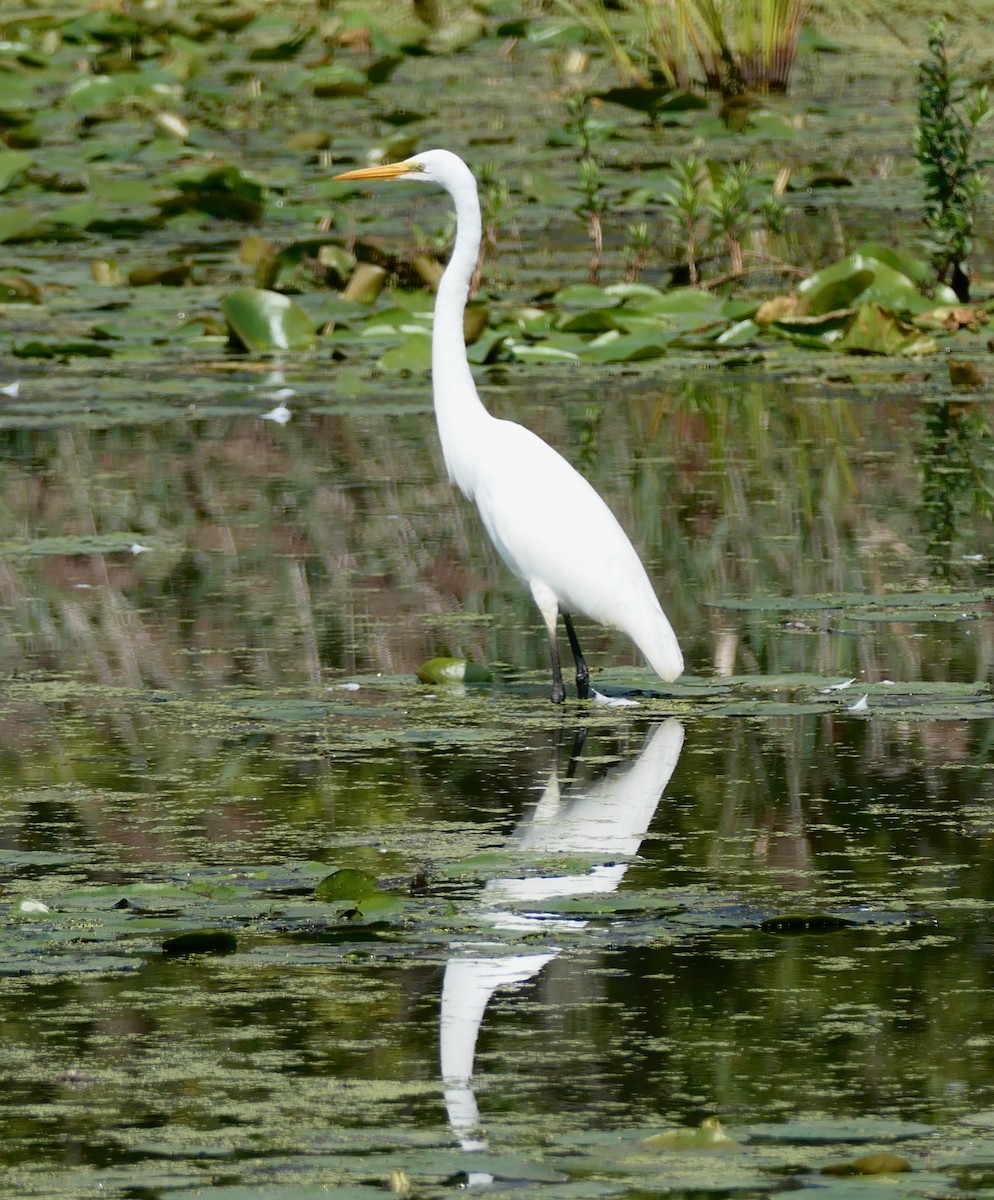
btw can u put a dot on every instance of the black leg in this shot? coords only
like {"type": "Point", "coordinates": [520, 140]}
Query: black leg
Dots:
{"type": "Point", "coordinates": [582, 671]}
{"type": "Point", "coordinates": [558, 690]}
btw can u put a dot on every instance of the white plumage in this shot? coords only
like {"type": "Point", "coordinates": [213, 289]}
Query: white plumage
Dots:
{"type": "Point", "coordinates": [545, 520]}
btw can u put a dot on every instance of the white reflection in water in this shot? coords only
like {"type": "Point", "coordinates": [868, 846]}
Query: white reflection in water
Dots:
{"type": "Point", "coordinates": [607, 819]}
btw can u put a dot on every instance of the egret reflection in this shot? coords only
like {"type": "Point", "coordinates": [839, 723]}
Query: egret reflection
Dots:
{"type": "Point", "coordinates": [606, 819]}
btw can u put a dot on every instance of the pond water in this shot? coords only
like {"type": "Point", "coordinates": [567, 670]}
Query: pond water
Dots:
{"type": "Point", "coordinates": [559, 933]}
{"type": "Point", "coordinates": [281, 921]}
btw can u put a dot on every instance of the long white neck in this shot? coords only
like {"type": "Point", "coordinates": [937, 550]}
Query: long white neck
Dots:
{"type": "Point", "coordinates": [459, 412]}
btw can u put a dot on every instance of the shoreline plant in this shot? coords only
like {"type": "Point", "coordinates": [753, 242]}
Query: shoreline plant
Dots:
{"type": "Point", "coordinates": [731, 46]}
{"type": "Point", "coordinates": [950, 114]}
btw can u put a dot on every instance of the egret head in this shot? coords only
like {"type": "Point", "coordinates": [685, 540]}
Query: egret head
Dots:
{"type": "Point", "coordinates": [432, 166]}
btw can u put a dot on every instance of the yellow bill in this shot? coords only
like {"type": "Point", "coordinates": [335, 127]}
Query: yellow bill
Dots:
{"type": "Point", "coordinates": [395, 170]}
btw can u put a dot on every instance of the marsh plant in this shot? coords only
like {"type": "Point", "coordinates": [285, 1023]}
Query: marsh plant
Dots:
{"type": "Point", "coordinates": [685, 205]}
{"type": "Point", "coordinates": [592, 208]}
{"type": "Point", "coordinates": [586, 132]}
{"type": "Point", "coordinates": [637, 249]}
{"type": "Point", "coordinates": [950, 114]}
{"type": "Point", "coordinates": [731, 46]}
{"type": "Point", "coordinates": [714, 211]}
{"type": "Point", "coordinates": [494, 198]}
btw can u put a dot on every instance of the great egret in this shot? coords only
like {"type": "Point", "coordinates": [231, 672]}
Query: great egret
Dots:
{"type": "Point", "coordinates": [545, 520]}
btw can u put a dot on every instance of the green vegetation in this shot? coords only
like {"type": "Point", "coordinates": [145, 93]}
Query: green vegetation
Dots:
{"type": "Point", "coordinates": [950, 115]}
{"type": "Point", "coordinates": [729, 47]}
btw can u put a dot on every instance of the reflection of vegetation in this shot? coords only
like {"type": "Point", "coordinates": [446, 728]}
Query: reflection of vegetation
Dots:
{"type": "Point", "coordinates": [957, 465]}
{"type": "Point", "coordinates": [275, 557]}
{"type": "Point", "coordinates": [949, 115]}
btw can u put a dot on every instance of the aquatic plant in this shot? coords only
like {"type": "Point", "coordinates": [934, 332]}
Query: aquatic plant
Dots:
{"type": "Point", "coordinates": [592, 208]}
{"type": "Point", "coordinates": [494, 197]}
{"type": "Point", "coordinates": [638, 246]}
{"type": "Point", "coordinates": [684, 198]}
{"type": "Point", "coordinates": [950, 113]}
{"type": "Point", "coordinates": [593, 202]}
{"type": "Point", "coordinates": [709, 212]}
{"type": "Point", "coordinates": [729, 206]}
{"type": "Point", "coordinates": [734, 45]}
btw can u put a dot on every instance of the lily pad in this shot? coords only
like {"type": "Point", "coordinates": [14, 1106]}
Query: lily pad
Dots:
{"type": "Point", "coordinates": [347, 884]}
{"type": "Point", "coordinates": [859, 279]}
{"type": "Point", "coordinates": [200, 941]}
{"type": "Point", "coordinates": [453, 670]}
{"type": "Point", "coordinates": [259, 319]}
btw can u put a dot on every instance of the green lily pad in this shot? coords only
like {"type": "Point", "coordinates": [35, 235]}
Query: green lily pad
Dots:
{"type": "Point", "coordinates": [805, 922]}
{"type": "Point", "coordinates": [347, 884]}
{"type": "Point", "coordinates": [629, 347]}
{"type": "Point", "coordinates": [875, 330]}
{"type": "Point", "coordinates": [260, 320]}
{"type": "Point", "coordinates": [16, 222]}
{"type": "Point", "coordinates": [860, 279]}
{"type": "Point", "coordinates": [709, 1135]}
{"type": "Point", "coordinates": [413, 354]}
{"type": "Point", "coordinates": [825, 1129]}
{"type": "Point", "coordinates": [68, 348]}
{"type": "Point", "coordinates": [12, 164]}
{"type": "Point", "coordinates": [453, 670]}
{"type": "Point", "coordinates": [882, 1162]}
{"type": "Point", "coordinates": [337, 80]}
{"type": "Point", "coordinates": [200, 941]}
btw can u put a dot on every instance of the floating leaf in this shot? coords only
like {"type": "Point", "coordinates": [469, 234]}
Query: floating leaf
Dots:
{"type": "Point", "coordinates": [69, 348]}
{"type": "Point", "coordinates": [859, 1129]}
{"type": "Point", "coordinates": [201, 941]}
{"type": "Point", "coordinates": [806, 922]}
{"type": "Point", "coordinates": [347, 884]}
{"type": "Point", "coordinates": [964, 374]}
{"type": "Point", "coordinates": [860, 279]}
{"type": "Point", "coordinates": [177, 275]}
{"type": "Point", "coordinates": [225, 192]}
{"type": "Point", "coordinates": [365, 284]}
{"type": "Point", "coordinates": [882, 1162]}
{"type": "Point", "coordinates": [18, 221]}
{"type": "Point", "coordinates": [262, 320]}
{"type": "Point", "coordinates": [709, 1135]}
{"type": "Point", "coordinates": [337, 80]}
{"type": "Point", "coordinates": [453, 670]}
{"type": "Point", "coordinates": [413, 354]}
{"type": "Point", "coordinates": [12, 164]}
{"type": "Point", "coordinates": [15, 289]}
{"type": "Point", "coordinates": [875, 330]}
{"type": "Point", "coordinates": [284, 49]}
{"type": "Point", "coordinates": [629, 347]}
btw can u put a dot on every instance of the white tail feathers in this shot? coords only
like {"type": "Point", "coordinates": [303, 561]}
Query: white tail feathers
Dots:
{"type": "Point", "coordinates": [658, 643]}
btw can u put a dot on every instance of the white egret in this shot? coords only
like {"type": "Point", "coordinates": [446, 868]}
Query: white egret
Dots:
{"type": "Point", "coordinates": [545, 520]}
